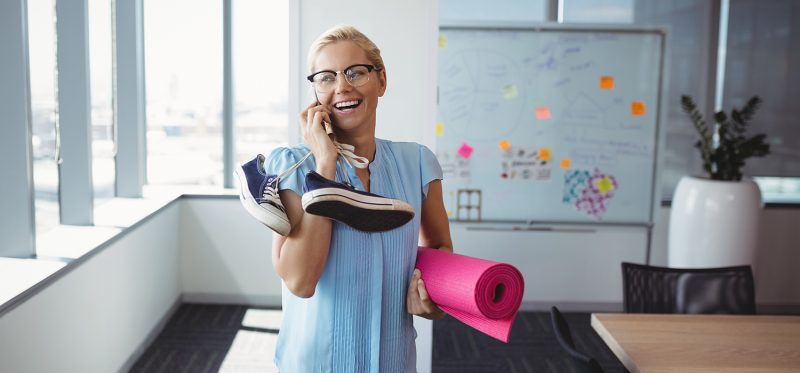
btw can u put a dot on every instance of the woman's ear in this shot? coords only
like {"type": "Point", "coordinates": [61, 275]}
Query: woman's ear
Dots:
{"type": "Point", "coordinates": [382, 82]}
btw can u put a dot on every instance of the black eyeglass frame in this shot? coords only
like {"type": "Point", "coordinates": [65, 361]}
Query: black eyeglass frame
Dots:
{"type": "Point", "coordinates": [369, 67]}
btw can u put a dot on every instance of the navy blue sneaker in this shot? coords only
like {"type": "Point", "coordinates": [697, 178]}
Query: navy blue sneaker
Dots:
{"type": "Point", "coordinates": [259, 195]}
{"type": "Point", "coordinates": [360, 210]}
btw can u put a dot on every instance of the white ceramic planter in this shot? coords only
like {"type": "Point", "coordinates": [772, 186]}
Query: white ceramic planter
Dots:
{"type": "Point", "coordinates": [714, 223]}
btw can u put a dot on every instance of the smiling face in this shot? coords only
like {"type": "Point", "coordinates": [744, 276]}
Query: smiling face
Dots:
{"type": "Point", "coordinates": [353, 107]}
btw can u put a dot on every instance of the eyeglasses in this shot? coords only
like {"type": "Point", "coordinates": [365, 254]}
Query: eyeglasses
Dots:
{"type": "Point", "coordinates": [356, 75]}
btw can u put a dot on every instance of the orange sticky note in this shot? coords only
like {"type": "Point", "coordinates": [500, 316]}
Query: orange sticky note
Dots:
{"type": "Point", "coordinates": [544, 154]}
{"type": "Point", "coordinates": [542, 113]}
{"type": "Point", "coordinates": [504, 145]}
{"type": "Point", "coordinates": [439, 129]}
{"type": "Point", "coordinates": [606, 82]}
{"type": "Point", "coordinates": [637, 108]}
{"type": "Point", "coordinates": [565, 163]}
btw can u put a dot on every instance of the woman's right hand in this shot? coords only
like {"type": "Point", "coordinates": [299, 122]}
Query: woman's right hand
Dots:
{"type": "Point", "coordinates": [316, 138]}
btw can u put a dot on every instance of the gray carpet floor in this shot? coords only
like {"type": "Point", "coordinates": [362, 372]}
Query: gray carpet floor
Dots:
{"type": "Point", "coordinates": [232, 338]}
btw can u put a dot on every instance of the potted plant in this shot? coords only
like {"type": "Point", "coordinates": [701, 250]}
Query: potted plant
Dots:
{"type": "Point", "coordinates": [714, 219]}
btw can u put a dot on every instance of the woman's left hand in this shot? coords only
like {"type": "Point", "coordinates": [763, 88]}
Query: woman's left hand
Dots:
{"type": "Point", "coordinates": [418, 302]}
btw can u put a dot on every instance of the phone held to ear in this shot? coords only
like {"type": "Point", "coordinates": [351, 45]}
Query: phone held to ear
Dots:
{"type": "Point", "coordinates": [328, 127]}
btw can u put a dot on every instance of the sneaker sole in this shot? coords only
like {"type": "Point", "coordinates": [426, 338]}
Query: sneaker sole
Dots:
{"type": "Point", "coordinates": [365, 213]}
{"type": "Point", "coordinates": [266, 214]}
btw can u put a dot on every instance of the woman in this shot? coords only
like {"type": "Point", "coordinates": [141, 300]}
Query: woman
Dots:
{"type": "Point", "coordinates": [349, 295]}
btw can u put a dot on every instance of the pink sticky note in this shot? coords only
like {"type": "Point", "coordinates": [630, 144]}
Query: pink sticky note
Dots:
{"type": "Point", "coordinates": [465, 151]}
{"type": "Point", "coordinates": [542, 113]}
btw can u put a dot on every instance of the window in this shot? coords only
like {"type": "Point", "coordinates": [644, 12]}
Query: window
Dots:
{"type": "Point", "coordinates": [102, 110]}
{"type": "Point", "coordinates": [183, 72]}
{"type": "Point", "coordinates": [598, 11]}
{"type": "Point", "coordinates": [763, 58]}
{"type": "Point", "coordinates": [260, 61]}
{"type": "Point", "coordinates": [44, 113]}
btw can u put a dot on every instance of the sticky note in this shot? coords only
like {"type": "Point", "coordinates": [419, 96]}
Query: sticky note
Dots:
{"type": "Point", "coordinates": [542, 113]}
{"type": "Point", "coordinates": [604, 185]}
{"type": "Point", "coordinates": [606, 82]}
{"type": "Point", "coordinates": [504, 145]}
{"type": "Point", "coordinates": [510, 92]}
{"type": "Point", "coordinates": [442, 41]}
{"type": "Point", "coordinates": [465, 151]}
{"type": "Point", "coordinates": [439, 129]}
{"type": "Point", "coordinates": [637, 108]}
{"type": "Point", "coordinates": [565, 163]}
{"type": "Point", "coordinates": [544, 154]}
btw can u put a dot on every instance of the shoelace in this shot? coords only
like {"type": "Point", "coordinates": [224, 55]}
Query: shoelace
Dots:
{"type": "Point", "coordinates": [346, 153]}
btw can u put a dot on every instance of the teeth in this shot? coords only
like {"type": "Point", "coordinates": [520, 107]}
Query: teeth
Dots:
{"type": "Point", "coordinates": [346, 103]}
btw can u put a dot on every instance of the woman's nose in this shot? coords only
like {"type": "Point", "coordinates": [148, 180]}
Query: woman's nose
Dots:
{"type": "Point", "coordinates": [342, 85]}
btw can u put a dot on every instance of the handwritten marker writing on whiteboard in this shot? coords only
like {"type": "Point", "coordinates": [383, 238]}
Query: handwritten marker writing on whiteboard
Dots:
{"type": "Point", "coordinates": [439, 129]}
{"type": "Point", "coordinates": [465, 151]}
{"type": "Point", "coordinates": [504, 145]}
{"type": "Point", "coordinates": [542, 113]}
{"type": "Point", "coordinates": [637, 108]}
{"type": "Point", "coordinates": [606, 82]}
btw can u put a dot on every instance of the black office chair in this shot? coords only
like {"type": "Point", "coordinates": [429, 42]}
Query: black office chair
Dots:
{"type": "Point", "coordinates": [582, 363]}
{"type": "Point", "coordinates": [651, 289]}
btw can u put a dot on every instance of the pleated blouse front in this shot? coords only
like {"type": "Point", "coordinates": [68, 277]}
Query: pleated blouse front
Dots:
{"type": "Point", "coordinates": [357, 319]}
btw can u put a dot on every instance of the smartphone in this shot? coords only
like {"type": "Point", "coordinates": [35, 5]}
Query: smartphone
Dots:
{"type": "Point", "coordinates": [312, 94]}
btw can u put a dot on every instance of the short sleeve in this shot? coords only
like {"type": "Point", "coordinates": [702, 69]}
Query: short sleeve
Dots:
{"type": "Point", "coordinates": [429, 167]}
{"type": "Point", "coordinates": [280, 160]}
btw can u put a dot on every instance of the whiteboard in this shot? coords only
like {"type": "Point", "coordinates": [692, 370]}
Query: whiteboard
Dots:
{"type": "Point", "coordinates": [549, 124]}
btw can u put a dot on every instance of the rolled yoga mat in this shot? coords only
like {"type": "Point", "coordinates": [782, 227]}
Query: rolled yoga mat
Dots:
{"type": "Point", "coordinates": [483, 294]}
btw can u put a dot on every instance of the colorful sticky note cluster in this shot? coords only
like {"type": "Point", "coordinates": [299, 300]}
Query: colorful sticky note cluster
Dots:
{"type": "Point", "coordinates": [510, 92]}
{"type": "Point", "coordinates": [465, 151]}
{"type": "Point", "coordinates": [543, 113]}
{"type": "Point", "coordinates": [606, 82]}
{"type": "Point", "coordinates": [504, 145]}
{"type": "Point", "coordinates": [442, 41]}
{"type": "Point", "coordinates": [439, 129]}
{"type": "Point", "coordinates": [637, 108]}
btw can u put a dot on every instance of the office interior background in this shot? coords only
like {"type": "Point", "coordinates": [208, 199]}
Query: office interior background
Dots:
{"type": "Point", "coordinates": [122, 121]}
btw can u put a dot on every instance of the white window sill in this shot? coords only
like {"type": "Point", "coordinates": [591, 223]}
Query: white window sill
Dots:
{"type": "Point", "coordinates": [66, 246]}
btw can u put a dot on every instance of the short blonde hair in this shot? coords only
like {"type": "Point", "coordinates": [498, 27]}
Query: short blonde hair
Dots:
{"type": "Point", "coordinates": [345, 33]}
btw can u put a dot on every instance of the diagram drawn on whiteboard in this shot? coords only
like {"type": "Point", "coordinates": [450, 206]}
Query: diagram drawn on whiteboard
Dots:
{"type": "Point", "coordinates": [589, 192]}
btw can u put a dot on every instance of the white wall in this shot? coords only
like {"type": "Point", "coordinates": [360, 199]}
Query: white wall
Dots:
{"type": "Point", "coordinates": [94, 317]}
{"type": "Point", "coordinates": [578, 270]}
{"type": "Point", "coordinates": [225, 254]}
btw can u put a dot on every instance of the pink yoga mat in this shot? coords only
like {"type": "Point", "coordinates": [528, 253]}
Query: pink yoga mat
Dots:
{"type": "Point", "coordinates": [483, 294]}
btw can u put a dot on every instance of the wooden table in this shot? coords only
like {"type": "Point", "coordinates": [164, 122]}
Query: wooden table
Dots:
{"type": "Point", "coordinates": [702, 343]}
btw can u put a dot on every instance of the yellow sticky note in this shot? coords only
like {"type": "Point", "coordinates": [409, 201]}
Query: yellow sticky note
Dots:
{"type": "Point", "coordinates": [565, 163]}
{"type": "Point", "coordinates": [604, 185]}
{"type": "Point", "coordinates": [637, 108]}
{"type": "Point", "coordinates": [439, 129]}
{"type": "Point", "coordinates": [510, 92]}
{"type": "Point", "coordinates": [606, 82]}
{"type": "Point", "coordinates": [442, 41]}
{"type": "Point", "coordinates": [544, 154]}
{"type": "Point", "coordinates": [542, 113]}
{"type": "Point", "coordinates": [504, 145]}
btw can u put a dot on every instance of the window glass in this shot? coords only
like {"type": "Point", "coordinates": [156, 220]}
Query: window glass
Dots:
{"type": "Point", "coordinates": [260, 80]}
{"type": "Point", "coordinates": [42, 60]}
{"type": "Point", "coordinates": [183, 63]}
{"type": "Point", "coordinates": [763, 58]}
{"type": "Point", "coordinates": [599, 11]}
{"type": "Point", "coordinates": [100, 53]}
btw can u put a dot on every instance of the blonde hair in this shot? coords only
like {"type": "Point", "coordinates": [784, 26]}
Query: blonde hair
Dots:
{"type": "Point", "coordinates": [345, 33]}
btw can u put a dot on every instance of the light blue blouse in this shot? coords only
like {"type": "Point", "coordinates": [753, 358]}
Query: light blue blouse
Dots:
{"type": "Point", "coordinates": [357, 319]}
